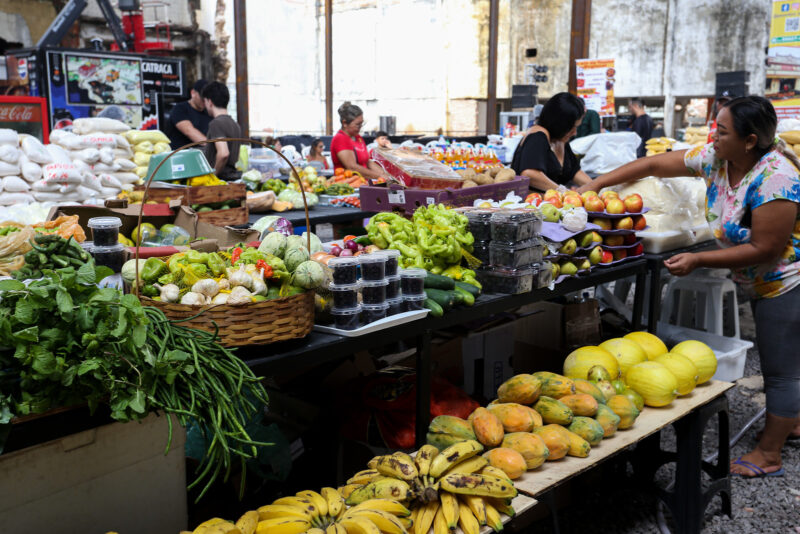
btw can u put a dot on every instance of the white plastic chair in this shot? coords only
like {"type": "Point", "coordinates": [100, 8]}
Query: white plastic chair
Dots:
{"type": "Point", "coordinates": [701, 303]}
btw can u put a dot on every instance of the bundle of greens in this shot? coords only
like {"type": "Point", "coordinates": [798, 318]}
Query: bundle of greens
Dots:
{"type": "Point", "coordinates": [65, 341]}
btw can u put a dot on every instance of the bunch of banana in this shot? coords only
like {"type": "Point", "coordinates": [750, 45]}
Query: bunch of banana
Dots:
{"type": "Point", "coordinates": [447, 489]}
{"type": "Point", "coordinates": [317, 513]}
{"type": "Point", "coordinates": [658, 145]}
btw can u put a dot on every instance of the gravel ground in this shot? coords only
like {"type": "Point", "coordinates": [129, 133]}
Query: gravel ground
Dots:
{"type": "Point", "coordinates": [769, 505]}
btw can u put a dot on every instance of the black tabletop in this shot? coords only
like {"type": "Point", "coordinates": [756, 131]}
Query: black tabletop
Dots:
{"type": "Point", "coordinates": [318, 215]}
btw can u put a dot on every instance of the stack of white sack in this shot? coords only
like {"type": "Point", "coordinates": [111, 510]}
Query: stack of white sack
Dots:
{"type": "Point", "coordinates": [21, 160]}
{"type": "Point", "coordinates": [145, 144]}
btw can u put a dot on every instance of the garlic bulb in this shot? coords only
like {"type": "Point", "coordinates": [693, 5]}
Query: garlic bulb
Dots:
{"type": "Point", "coordinates": [193, 299]}
{"type": "Point", "coordinates": [259, 286]}
{"type": "Point", "coordinates": [206, 287]}
{"type": "Point", "coordinates": [224, 284]}
{"type": "Point", "coordinates": [239, 295]}
{"type": "Point", "coordinates": [221, 298]}
{"type": "Point", "coordinates": [169, 292]}
{"type": "Point", "coordinates": [241, 278]}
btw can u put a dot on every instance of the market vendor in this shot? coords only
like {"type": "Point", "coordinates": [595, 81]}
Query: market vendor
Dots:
{"type": "Point", "coordinates": [753, 192]}
{"type": "Point", "coordinates": [544, 154]}
{"type": "Point", "coordinates": [348, 149]}
{"type": "Point", "coordinates": [188, 121]}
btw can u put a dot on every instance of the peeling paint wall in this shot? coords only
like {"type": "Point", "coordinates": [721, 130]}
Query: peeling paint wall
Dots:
{"type": "Point", "coordinates": [36, 15]}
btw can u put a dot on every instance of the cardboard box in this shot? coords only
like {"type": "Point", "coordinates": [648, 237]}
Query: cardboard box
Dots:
{"type": "Point", "coordinates": [487, 360]}
{"type": "Point", "coordinates": [541, 324]}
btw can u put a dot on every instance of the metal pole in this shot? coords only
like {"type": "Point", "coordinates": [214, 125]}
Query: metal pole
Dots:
{"type": "Point", "coordinates": [579, 37]}
{"type": "Point", "coordinates": [242, 92]}
{"type": "Point", "coordinates": [491, 92]}
{"type": "Point", "coordinates": [328, 67]}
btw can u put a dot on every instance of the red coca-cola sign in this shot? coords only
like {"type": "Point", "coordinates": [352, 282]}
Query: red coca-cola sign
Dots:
{"type": "Point", "coordinates": [20, 113]}
{"type": "Point", "coordinates": [26, 114]}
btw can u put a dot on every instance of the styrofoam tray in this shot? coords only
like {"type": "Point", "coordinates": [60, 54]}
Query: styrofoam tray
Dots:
{"type": "Point", "coordinates": [731, 352]}
{"type": "Point", "coordinates": [658, 242]}
{"type": "Point", "coordinates": [392, 320]}
{"type": "Point", "coordinates": [604, 215]}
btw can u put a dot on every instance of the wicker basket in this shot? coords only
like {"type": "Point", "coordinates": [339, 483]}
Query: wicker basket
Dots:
{"type": "Point", "coordinates": [258, 323]}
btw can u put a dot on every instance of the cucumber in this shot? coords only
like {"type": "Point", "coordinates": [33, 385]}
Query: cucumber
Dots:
{"type": "Point", "coordinates": [445, 299]}
{"type": "Point", "coordinates": [434, 307]}
{"type": "Point", "coordinates": [466, 297]}
{"type": "Point", "coordinates": [436, 281]}
{"type": "Point", "coordinates": [474, 291]}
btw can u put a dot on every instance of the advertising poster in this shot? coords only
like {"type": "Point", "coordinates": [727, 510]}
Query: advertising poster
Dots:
{"type": "Point", "coordinates": [783, 59]}
{"type": "Point", "coordinates": [595, 84]}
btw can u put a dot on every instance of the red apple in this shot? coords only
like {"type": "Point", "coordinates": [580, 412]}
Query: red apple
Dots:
{"type": "Point", "coordinates": [534, 198]}
{"type": "Point", "coordinates": [551, 193]}
{"type": "Point", "coordinates": [604, 224]}
{"type": "Point", "coordinates": [614, 240]}
{"type": "Point", "coordinates": [620, 254]}
{"type": "Point", "coordinates": [639, 223]}
{"type": "Point", "coordinates": [608, 257]}
{"type": "Point", "coordinates": [626, 223]}
{"type": "Point", "coordinates": [573, 200]}
{"type": "Point", "coordinates": [594, 204]}
{"type": "Point", "coordinates": [630, 239]}
{"type": "Point", "coordinates": [633, 203]}
{"type": "Point", "coordinates": [615, 206]}
{"type": "Point", "coordinates": [605, 195]}
{"type": "Point", "coordinates": [555, 201]}
{"type": "Point", "coordinates": [637, 250]}
{"type": "Point", "coordinates": [588, 194]}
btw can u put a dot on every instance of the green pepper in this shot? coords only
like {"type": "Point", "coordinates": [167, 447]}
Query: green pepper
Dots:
{"type": "Point", "coordinates": [150, 290]}
{"type": "Point", "coordinates": [251, 255]}
{"type": "Point", "coordinates": [216, 264]}
{"type": "Point", "coordinates": [172, 278]}
{"type": "Point", "coordinates": [194, 256]}
{"type": "Point", "coordinates": [198, 269]}
{"type": "Point", "coordinates": [153, 268]}
{"type": "Point", "coordinates": [176, 263]}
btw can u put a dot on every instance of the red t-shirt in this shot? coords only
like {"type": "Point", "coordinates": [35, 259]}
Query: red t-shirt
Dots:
{"type": "Point", "coordinates": [342, 141]}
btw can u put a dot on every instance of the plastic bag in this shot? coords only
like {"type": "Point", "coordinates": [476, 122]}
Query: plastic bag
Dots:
{"type": "Point", "coordinates": [92, 182]}
{"type": "Point", "coordinates": [8, 199]}
{"type": "Point", "coordinates": [9, 154]}
{"type": "Point", "coordinates": [30, 171]}
{"type": "Point", "coordinates": [126, 177]}
{"type": "Point", "coordinates": [125, 152]}
{"type": "Point", "coordinates": [107, 180]}
{"type": "Point", "coordinates": [66, 139]}
{"type": "Point", "coordinates": [87, 155]}
{"type": "Point", "coordinates": [107, 155]}
{"type": "Point", "coordinates": [58, 154]}
{"type": "Point", "coordinates": [153, 136]}
{"type": "Point", "coordinates": [35, 150]}
{"type": "Point", "coordinates": [43, 196]}
{"type": "Point", "coordinates": [415, 169]}
{"type": "Point", "coordinates": [9, 137]}
{"type": "Point", "coordinates": [9, 169]}
{"type": "Point", "coordinates": [145, 147]}
{"type": "Point", "coordinates": [124, 165]}
{"type": "Point", "coordinates": [99, 140]}
{"type": "Point", "coordinates": [99, 168]}
{"type": "Point", "coordinates": [141, 159]}
{"type": "Point", "coordinates": [63, 173]}
{"type": "Point", "coordinates": [98, 124]}
{"type": "Point", "coordinates": [15, 184]}
{"type": "Point", "coordinates": [607, 151]}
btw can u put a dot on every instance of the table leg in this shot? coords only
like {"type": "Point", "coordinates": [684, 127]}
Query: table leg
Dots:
{"type": "Point", "coordinates": [423, 415]}
{"type": "Point", "coordinates": [638, 300]}
{"type": "Point", "coordinates": [654, 310]}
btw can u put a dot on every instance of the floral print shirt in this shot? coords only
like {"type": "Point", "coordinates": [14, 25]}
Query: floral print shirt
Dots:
{"type": "Point", "coordinates": [729, 211]}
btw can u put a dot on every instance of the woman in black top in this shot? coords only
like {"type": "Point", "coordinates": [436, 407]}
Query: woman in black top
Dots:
{"type": "Point", "coordinates": [544, 154]}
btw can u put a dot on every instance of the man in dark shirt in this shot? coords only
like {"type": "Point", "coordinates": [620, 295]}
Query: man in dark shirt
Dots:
{"type": "Point", "coordinates": [222, 155]}
{"type": "Point", "coordinates": [642, 124]}
{"type": "Point", "coordinates": [188, 121]}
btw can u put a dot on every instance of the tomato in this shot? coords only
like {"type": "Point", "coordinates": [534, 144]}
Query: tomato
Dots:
{"type": "Point", "coordinates": [348, 237]}
{"type": "Point", "coordinates": [348, 174]}
{"type": "Point", "coordinates": [338, 170]}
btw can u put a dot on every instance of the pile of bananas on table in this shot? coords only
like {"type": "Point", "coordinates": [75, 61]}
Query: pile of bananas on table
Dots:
{"type": "Point", "coordinates": [659, 145]}
{"type": "Point", "coordinates": [397, 494]}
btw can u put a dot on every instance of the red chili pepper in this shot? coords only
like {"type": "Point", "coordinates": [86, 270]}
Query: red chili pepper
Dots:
{"type": "Point", "coordinates": [235, 255]}
{"type": "Point", "coordinates": [263, 267]}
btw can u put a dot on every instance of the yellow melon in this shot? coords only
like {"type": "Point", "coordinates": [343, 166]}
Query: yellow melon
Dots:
{"type": "Point", "coordinates": [702, 357]}
{"type": "Point", "coordinates": [580, 360]}
{"type": "Point", "coordinates": [651, 345]}
{"type": "Point", "coordinates": [628, 353]}
{"type": "Point", "coordinates": [654, 382]}
{"type": "Point", "coordinates": [683, 369]}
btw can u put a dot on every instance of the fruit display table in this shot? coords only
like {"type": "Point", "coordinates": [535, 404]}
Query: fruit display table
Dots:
{"type": "Point", "coordinates": [318, 215]}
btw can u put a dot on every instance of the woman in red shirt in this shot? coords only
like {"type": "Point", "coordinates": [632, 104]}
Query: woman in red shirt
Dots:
{"type": "Point", "coordinates": [348, 149]}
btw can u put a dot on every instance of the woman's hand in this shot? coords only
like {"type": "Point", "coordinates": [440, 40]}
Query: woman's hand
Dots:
{"type": "Point", "coordinates": [682, 264]}
{"type": "Point", "coordinates": [591, 186]}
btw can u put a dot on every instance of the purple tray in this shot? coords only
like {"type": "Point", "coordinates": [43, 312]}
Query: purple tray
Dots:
{"type": "Point", "coordinates": [617, 262]}
{"type": "Point", "coordinates": [620, 247]}
{"type": "Point", "coordinates": [397, 198]}
{"type": "Point", "coordinates": [604, 215]}
{"type": "Point", "coordinates": [557, 233]}
{"type": "Point", "coordinates": [619, 232]}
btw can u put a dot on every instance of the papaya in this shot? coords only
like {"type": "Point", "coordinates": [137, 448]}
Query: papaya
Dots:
{"type": "Point", "coordinates": [584, 386]}
{"type": "Point", "coordinates": [580, 404]}
{"type": "Point", "coordinates": [535, 416]}
{"type": "Point", "coordinates": [557, 443]}
{"type": "Point", "coordinates": [555, 385]}
{"type": "Point", "coordinates": [522, 389]}
{"type": "Point", "coordinates": [487, 427]}
{"type": "Point", "coordinates": [587, 428]}
{"type": "Point", "coordinates": [578, 446]}
{"type": "Point", "coordinates": [509, 460]}
{"type": "Point", "coordinates": [625, 409]}
{"type": "Point", "coordinates": [553, 411]}
{"type": "Point", "coordinates": [514, 417]}
{"type": "Point", "coordinates": [607, 419]}
{"type": "Point", "coordinates": [637, 399]}
{"type": "Point", "coordinates": [529, 445]}
{"type": "Point", "coordinates": [449, 424]}
{"type": "Point", "coordinates": [606, 388]}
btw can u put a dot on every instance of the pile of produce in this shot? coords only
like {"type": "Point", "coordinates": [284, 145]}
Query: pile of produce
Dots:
{"type": "Point", "coordinates": [147, 235]}
{"type": "Point", "coordinates": [14, 243]}
{"type": "Point", "coordinates": [310, 180]}
{"type": "Point", "coordinates": [659, 145]}
{"type": "Point", "coordinates": [493, 175]}
{"type": "Point", "coordinates": [444, 293]}
{"type": "Point", "coordinates": [50, 251]}
{"type": "Point", "coordinates": [435, 239]}
{"type": "Point", "coordinates": [792, 138]}
{"type": "Point", "coordinates": [466, 158]}
{"type": "Point", "coordinates": [696, 135]}
{"type": "Point", "coordinates": [66, 342]}
{"type": "Point", "coordinates": [348, 177]}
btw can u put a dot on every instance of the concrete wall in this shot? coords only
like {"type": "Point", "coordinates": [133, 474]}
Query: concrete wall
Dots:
{"type": "Point", "coordinates": [36, 15]}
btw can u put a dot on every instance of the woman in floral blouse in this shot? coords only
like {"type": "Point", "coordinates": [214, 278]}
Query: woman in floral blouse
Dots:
{"type": "Point", "coordinates": [752, 207]}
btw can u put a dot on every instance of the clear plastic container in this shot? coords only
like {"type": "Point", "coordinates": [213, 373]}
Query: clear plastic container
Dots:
{"type": "Point", "coordinates": [112, 257]}
{"type": "Point", "coordinates": [392, 262]}
{"type": "Point", "coordinates": [374, 312]}
{"type": "Point", "coordinates": [543, 274]}
{"type": "Point", "coordinates": [395, 306]}
{"type": "Point", "coordinates": [105, 230]}
{"type": "Point", "coordinates": [373, 291]}
{"type": "Point", "coordinates": [413, 302]}
{"type": "Point", "coordinates": [345, 270]}
{"type": "Point", "coordinates": [346, 318]}
{"type": "Point", "coordinates": [373, 266]}
{"type": "Point", "coordinates": [345, 296]}
{"type": "Point", "coordinates": [513, 226]}
{"type": "Point", "coordinates": [506, 281]}
{"type": "Point", "coordinates": [393, 289]}
{"type": "Point", "coordinates": [412, 281]}
{"type": "Point", "coordinates": [516, 255]}
{"type": "Point", "coordinates": [480, 224]}
{"type": "Point", "coordinates": [480, 249]}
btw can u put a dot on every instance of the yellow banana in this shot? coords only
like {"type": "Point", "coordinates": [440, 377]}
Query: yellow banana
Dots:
{"type": "Point", "coordinates": [334, 500]}
{"type": "Point", "coordinates": [304, 503]}
{"type": "Point", "coordinates": [359, 525]}
{"type": "Point", "coordinates": [387, 488]}
{"type": "Point", "coordinates": [345, 491]}
{"type": "Point", "coordinates": [503, 506]}
{"type": "Point", "coordinates": [281, 525]}
{"type": "Point", "coordinates": [495, 471]}
{"type": "Point", "coordinates": [467, 521]}
{"type": "Point", "coordinates": [413, 518]}
{"type": "Point", "coordinates": [247, 523]}
{"type": "Point", "coordinates": [363, 477]}
{"type": "Point", "coordinates": [315, 530]}
{"type": "Point", "coordinates": [319, 501]}
{"type": "Point", "coordinates": [453, 455]}
{"type": "Point", "coordinates": [425, 517]}
{"type": "Point", "coordinates": [423, 459]}
{"type": "Point", "coordinates": [397, 467]}
{"type": "Point", "coordinates": [481, 485]}
{"type": "Point", "coordinates": [210, 522]}
{"type": "Point", "coordinates": [387, 523]}
{"type": "Point", "coordinates": [449, 506]}
{"type": "Point", "coordinates": [407, 523]}
{"type": "Point", "coordinates": [272, 511]}
{"type": "Point", "coordinates": [493, 518]}
{"type": "Point", "coordinates": [404, 456]}
{"type": "Point", "coordinates": [440, 523]}
{"type": "Point", "coordinates": [476, 505]}
{"type": "Point", "coordinates": [372, 464]}
{"type": "Point", "coordinates": [468, 466]}
{"type": "Point", "coordinates": [221, 527]}
{"type": "Point", "coordinates": [335, 528]}
{"type": "Point", "coordinates": [384, 505]}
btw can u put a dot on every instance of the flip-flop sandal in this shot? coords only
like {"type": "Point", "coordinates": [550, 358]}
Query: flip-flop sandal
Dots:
{"type": "Point", "coordinates": [757, 471]}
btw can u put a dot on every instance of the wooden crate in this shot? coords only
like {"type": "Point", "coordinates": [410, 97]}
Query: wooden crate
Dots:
{"type": "Point", "coordinates": [203, 194]}
{"type": "Point", "coordinates": [229, 217]}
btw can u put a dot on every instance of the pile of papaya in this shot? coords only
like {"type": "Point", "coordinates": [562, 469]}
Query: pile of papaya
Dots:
{"type": "Point", "coordinates": [443, 294]}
